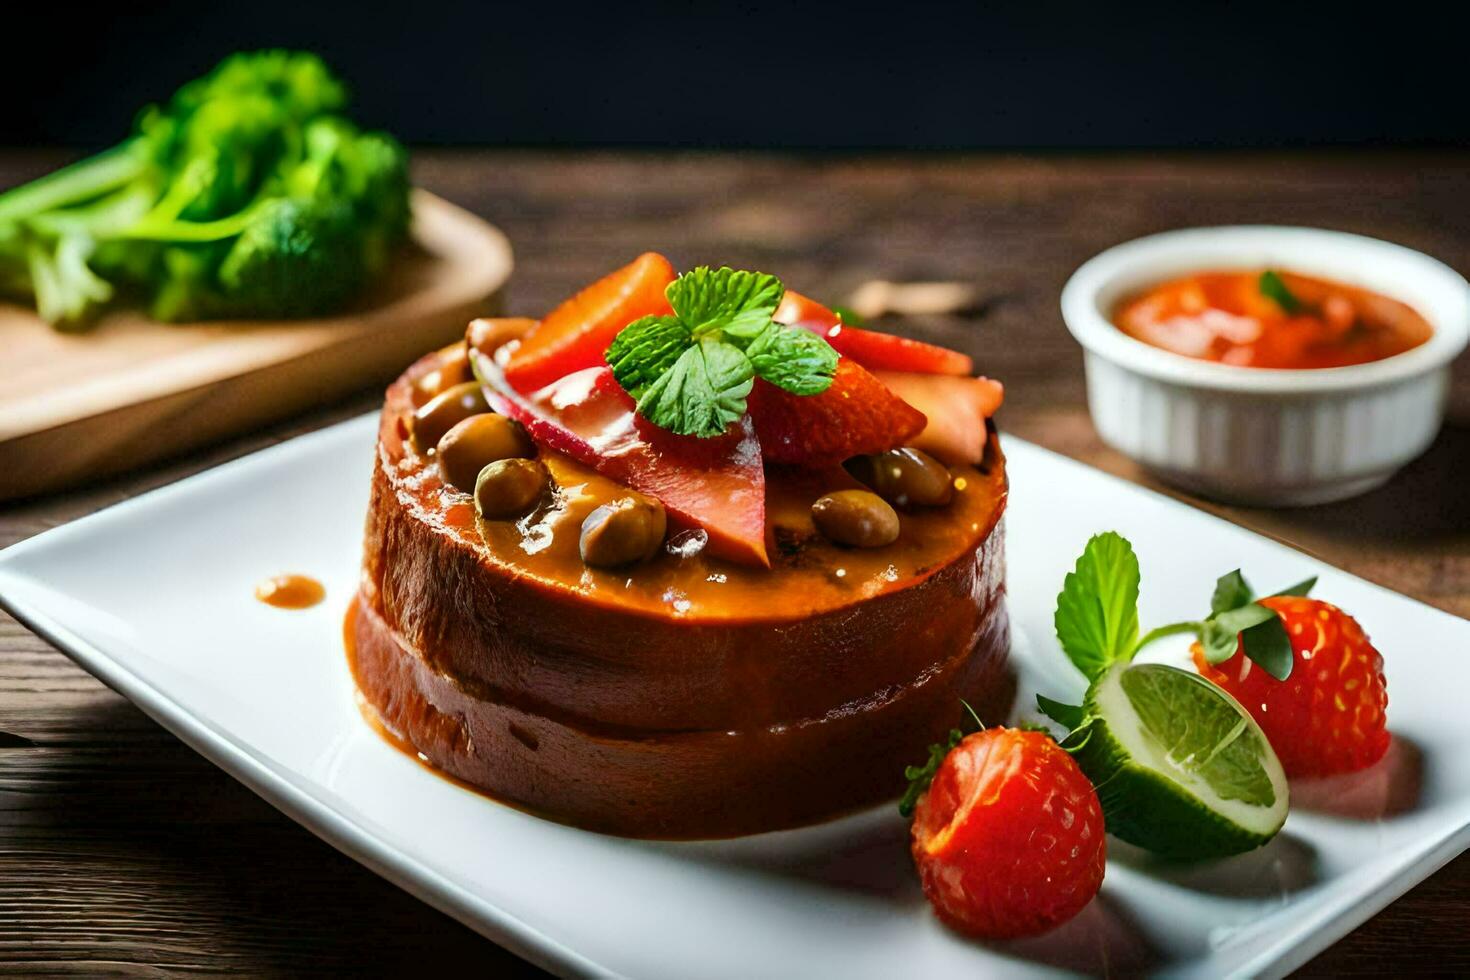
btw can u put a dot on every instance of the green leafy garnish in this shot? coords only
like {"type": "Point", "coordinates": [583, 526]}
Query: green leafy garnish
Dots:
{"type": "Point", "coordinates": [1179, 767]}
{"type": "Point", "coordinates": [1273, 287]}
{"type": "Point", "coordinates": [1097, 611]}
{"type": "Point", "coordinates": [702, 392]}
{"type": "Point", "coordinates": [1071, 716]}
{"type": "Point", "coordinates": [1235, 616]}
{"type": "Point", "coordinates": [645, 350]}
{"type": "Point", "coordinates": [793, 359]}
{"type": "Point", "coordinates": [739, 303]}
{"type": "Point", "coordinates": [691, 372]}
{"type": "Point", "coordinates": [1097, 615]}
{"type": "Point", "coordinates": [919, 777]}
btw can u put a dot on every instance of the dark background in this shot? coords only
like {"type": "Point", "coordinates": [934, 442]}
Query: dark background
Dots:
{"type": "Point", "coordinates": [893, 75]}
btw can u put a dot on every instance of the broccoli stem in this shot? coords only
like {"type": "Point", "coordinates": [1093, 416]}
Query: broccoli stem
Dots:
{"type": "Point", "coordinates": [79, 182]}
{"type": "Point", "coordinates": [102, 216]}
{"type": "Point", "coordinates": [188, 231]}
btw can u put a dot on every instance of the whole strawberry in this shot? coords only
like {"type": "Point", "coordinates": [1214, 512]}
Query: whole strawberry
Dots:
{"type": "Point", "coordinates": [1327, 717]}
{"type": "Point", "coordinates": [1008, 838]}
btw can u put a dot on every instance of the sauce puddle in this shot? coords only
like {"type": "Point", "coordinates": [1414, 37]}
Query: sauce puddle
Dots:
{"type": "Point", "coordinates": [290, 591]}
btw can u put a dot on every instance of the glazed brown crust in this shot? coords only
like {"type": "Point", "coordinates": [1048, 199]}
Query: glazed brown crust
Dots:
{"type": "Point", "coordinates": [653, 725]}
{"type": "Point", "coordinates": [681, 785]}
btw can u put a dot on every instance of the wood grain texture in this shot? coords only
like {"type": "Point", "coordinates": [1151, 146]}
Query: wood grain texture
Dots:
{"type": "Point", "coordinates": [74, 406]}
{"type": "Point", "coordinates": [122, 851]}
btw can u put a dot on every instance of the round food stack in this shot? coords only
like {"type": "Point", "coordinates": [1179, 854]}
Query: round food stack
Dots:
{"type": "Point", "coordinates": [686, 695]}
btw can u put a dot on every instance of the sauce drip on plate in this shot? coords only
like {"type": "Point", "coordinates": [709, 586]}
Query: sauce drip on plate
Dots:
{"type": "Point", "coordinates": [1270, 319]}
{"type": "Point", "coordinates": [290, 591]}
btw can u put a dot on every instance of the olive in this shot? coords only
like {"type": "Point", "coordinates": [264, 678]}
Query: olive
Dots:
{"type": "Point", "coordinates": [475, 443]}
{"type": "Point", "coordinates": [622, 531]}
{"type": "Point", "coordinates": [489, 335]}
{"type": "Point", "coordinates": [856, 518]}
{"type": "Point", "coordinates": [508, 487]}
{"type": "Point", "coordinates": [905, 477]}
{"type": "Point", "coordinates": [453, 369]}
{"type": "Point", "coordinates": [440, 414]}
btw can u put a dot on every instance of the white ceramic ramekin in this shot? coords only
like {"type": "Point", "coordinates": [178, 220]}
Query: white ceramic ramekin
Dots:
{"type": "Point", "coordinates": [1257, 436]}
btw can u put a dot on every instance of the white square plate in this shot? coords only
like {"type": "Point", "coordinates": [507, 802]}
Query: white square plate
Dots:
{"type": "Point", "coordinates": [154, 597]}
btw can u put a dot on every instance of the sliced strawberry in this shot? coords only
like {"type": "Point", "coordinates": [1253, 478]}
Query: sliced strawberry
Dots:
{"type": "Point", "coordinates": [873, 350]}
{"type": "Point", "coordinates": [955, 407]}
{"type": "Point", "coordinates": [885, 352]}
{"type": "Point", "coordinates": [797, 310]}
{"type": "Point", "coordinates": [577, 333]}
{"type": "Point", "coordinates": [856, 415]}
{"type": "Point", "coordinates": [716, 484]}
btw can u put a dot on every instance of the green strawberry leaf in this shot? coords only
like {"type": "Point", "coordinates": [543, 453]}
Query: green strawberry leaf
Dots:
{"type": "Point", "coordinates": [1302, 588]}
{"type": "Point", "coordinates": [1267, 644]}
{"type": "Point", "coordinates": [1231, 590]}
{"type": "Point", "coordinates": [1238, 623]}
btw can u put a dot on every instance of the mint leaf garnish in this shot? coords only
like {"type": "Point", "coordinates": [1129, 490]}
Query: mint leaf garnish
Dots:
{"type": "Point", "coordinates": [690, 373]}
{"type": "Point", "coordinates": [1097, 610]}
{"type": "Point", "coordinates": [645, 350]}
{"type": "Point", "coordinates": [793, 359]}
{"type": "Point", "coordinates": [702, 393]}
{"type": "Point", "coordinates": [739, 303]}
{"type": "Point", "coordinates": [1273, 287]}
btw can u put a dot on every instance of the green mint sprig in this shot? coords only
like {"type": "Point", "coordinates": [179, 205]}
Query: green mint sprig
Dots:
{"type": "Point", "coordinates": [691, 372]}
{"type": "Point", "coordinates": [1273, 287]}
{"type": "Point", "coordinates": [1097, 619]}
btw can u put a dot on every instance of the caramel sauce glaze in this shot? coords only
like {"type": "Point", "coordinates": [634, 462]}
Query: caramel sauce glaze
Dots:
{"type": "Point", "coordinates": [290, 591]}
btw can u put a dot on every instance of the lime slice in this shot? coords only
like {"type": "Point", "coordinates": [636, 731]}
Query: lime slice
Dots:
{"type": "Point", "coordinates": [1180, 767]}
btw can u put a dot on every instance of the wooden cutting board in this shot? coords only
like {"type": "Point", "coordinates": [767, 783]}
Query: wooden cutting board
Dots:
{"type": "Point", "coordinates": [75, 407]}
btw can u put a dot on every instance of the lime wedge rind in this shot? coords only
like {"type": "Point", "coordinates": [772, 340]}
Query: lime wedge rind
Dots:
{"type": "Point", "coordinates": [1177, 773]}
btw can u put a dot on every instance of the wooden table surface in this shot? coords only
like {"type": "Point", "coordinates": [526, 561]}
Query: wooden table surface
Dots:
{"type": "Point", "coordinates": [121, 850]}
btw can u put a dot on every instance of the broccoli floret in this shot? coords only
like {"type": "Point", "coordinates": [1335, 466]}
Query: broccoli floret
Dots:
{"type": "Point", "coordinates": [247, 194]}
{"type": "Point", "coordinates": [298, 82]}
{"type": "Point", "coordinates": [296, 258]}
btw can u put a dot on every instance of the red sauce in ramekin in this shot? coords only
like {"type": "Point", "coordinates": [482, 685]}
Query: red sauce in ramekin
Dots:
{"type": "Point", "coordinates": [1270, 319]}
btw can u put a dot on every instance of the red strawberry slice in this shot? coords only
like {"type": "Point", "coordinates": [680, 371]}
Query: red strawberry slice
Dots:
{"type": "Point", "coordinates": [955, 407]}
{"type": "Point", "coordinates": [856, 415]}
{"type": "Point", "coordinates": [577, 333]}
{"type": "Point", "coordinates": [1009, 837]}
{"type": "Point", "coordinates": [885, 352]}
{"type": "Point", "coordinates": [716, 484]}
{"type": "Point", "coordinates": [797, 310]}
{"type": "Point", "coordinates": [1327, 717]}
{"type": "Point", "coordinates": [873, 350]}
